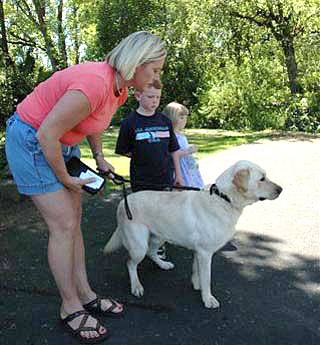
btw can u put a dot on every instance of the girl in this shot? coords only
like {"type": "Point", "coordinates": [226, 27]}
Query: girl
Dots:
{"type": "Point", "coordinates": [178, 113]}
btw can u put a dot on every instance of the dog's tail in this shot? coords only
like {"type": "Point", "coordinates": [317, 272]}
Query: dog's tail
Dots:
{"type": "Point", "coordinates": [114, 243]}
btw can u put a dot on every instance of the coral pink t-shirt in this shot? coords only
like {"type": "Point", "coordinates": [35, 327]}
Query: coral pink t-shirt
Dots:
{"type": "Point", "coordinates": [95, 80]}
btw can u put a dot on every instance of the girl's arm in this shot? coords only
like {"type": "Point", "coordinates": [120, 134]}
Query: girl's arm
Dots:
{"type": "Point", "coordinates": [190, 150]}
{"type": "Point", "coordinates": [72, 108]}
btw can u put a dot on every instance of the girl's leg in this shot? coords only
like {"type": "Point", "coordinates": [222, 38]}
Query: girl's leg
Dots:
{"type": "Point", "coordinates": [62, 218]}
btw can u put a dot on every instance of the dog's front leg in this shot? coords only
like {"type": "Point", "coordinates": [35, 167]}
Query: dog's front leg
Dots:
{"type": "Point", "coordinates": [136, 286]}
{"type": "Point", "coordinates": [195, 273]}
{"type": "Point", "coordinates": [204, 265]}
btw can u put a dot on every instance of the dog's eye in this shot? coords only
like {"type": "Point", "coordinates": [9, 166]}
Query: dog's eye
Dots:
{"type": "Point", "coordinates": [262, 179]}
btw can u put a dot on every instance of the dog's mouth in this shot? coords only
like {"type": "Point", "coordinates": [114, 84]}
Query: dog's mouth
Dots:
{"type": "Point", "coordinates": [274, 195]}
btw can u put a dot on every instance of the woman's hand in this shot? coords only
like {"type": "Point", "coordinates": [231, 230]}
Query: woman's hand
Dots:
{"type": "Point", "coordinates": [75, 183]}
{"type": "Point", "coordinates": [103, 165]}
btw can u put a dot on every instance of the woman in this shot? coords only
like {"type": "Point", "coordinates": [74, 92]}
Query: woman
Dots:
{"type": "Point", "coordinates": [74, 104]}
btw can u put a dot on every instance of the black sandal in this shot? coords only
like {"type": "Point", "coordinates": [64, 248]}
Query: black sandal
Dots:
{"type": "Point", "coordinates": [76, 332]}
{"type": "Point", "coordinates": [94, 307]}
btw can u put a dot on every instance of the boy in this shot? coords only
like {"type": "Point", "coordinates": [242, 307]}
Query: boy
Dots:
{"type": "Point", "coordinates": [147, 137]}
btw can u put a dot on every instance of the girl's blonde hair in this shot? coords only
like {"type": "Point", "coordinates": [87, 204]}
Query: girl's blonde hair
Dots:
{"type": "Point", "coordinates": [135, 50]}
{"type": "Point", "coordinates": [173, 110]}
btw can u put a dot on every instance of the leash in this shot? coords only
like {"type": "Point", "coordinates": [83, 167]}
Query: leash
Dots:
{"type": "Point", "coordinates": [165, 187]}
{"type": "Point", "coordinates": [185, 188]}
{"type": "Point", "coordinates": [120, 181]}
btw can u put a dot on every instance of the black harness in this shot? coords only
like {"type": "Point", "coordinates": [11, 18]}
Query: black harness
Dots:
{"type": "Point", "coordinates": [120, 180]}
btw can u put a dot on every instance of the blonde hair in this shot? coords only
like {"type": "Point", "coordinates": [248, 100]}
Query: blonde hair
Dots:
{"type": "Point", "coordinates": [173, 110]}
{"type": "Point", "coordinates": [135, 50]}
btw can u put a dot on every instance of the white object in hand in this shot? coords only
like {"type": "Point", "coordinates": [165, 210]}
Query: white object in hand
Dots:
{"type": "Point", "coordinates": [89, 174]}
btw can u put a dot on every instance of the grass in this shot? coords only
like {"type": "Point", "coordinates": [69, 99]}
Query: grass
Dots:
{"type": "Point", "coordinates": [208, 141]}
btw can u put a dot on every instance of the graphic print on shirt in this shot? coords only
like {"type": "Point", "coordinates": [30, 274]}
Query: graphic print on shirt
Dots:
{"type": "Point", "coordinates": [152, 134]}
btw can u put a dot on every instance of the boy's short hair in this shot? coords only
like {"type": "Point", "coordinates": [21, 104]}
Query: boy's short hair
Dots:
{"type": "Point", "coordinates": [174, 109]}
{"type": "Point", "coordinates": [135, 50]}
{"type": "Point", "coordinates": [156, 83]}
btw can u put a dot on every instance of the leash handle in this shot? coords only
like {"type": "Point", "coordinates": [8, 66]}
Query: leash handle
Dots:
{"type": "Point", "coordinates": [117, 179]}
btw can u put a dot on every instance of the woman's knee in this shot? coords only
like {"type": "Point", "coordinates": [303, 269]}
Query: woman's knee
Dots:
{"type": "Point", "coordinates": [67, 227]}
{"type": "Point", "coordinates": [61, 211]}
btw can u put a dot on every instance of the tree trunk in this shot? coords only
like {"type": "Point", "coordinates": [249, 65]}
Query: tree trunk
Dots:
{"type": "Point", "coordinates": [62, 41]}
{"type": "Point", "coordinates": [51, 51]}
{"type": "Point", "coordinates": [291, 64]}
{"type": "Point", "coordinates": [4, 43]}
{"type": "Point", "coordinates": [75, 35]}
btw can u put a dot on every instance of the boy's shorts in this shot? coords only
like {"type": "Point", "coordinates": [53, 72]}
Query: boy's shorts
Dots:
{"type": "Point", "coordinates": [28, 165]}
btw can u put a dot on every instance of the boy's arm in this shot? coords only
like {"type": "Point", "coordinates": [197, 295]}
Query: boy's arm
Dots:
{"type": "Point", "coordinates": [123, 140]}
{"type": "Point", "coordinates": [176, 162]}
{"type": "Point", "coordinates": [128, 154]}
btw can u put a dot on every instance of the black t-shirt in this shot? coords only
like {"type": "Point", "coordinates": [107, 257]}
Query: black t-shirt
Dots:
{"type": "Point", "coordinates": [150, 140]}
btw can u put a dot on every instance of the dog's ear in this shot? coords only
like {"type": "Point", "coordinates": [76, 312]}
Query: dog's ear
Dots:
{"type": "Point", "coordinates": [240, 180]}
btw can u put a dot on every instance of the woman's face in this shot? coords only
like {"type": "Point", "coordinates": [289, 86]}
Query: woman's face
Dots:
{"type": "Point", "coordinates": [146, 74]}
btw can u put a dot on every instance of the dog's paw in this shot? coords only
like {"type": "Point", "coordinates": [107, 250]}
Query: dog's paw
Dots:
{"type": "Point", "coordinates": [137, 290]}
{"type": "Point", "coordinates": [211, 302]}
{"type": "Point", "coordinates": [165, 265]}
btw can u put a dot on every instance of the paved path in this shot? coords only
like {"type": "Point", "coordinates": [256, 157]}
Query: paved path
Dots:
{"type": "Point", "coordinates": [268, 287]}
{"type": "Point", "coordinates": [294, 216]}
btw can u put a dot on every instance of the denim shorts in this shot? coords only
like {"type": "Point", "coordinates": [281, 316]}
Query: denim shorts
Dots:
{"type": "Point", "coordinates": [28, 165]}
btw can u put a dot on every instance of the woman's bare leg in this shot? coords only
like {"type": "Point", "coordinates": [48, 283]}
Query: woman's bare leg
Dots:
{"type": "Point", "coordinates": [62, 216]}
{"type": "Point", "coordinates": [86, 293]}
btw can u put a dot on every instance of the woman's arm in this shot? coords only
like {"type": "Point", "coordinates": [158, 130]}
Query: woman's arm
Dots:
{"type": "Point", "coordinates": [72, 108]}
{"type": "Point", "coordinates": [96, 148]}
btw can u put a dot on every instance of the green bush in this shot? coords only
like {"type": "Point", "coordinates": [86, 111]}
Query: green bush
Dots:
{"type": "Point", "coordinates": [303, 113]}
{"type": "Point", "coordinates": [236, 106]}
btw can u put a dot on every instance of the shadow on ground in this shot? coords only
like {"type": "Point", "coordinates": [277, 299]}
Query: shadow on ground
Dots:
{"type": "Point", "coordinates": [262, 302]}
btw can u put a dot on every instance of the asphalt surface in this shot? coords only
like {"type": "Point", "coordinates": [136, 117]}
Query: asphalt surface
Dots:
{"type": "Point", "coordinates": [268, 286]}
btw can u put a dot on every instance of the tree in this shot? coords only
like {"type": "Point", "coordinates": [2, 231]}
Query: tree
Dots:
{"type": "Point", "coordinates": [285, 20]}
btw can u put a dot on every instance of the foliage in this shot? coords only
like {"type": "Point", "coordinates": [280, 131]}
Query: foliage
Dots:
{"type": "Point", "coordinates": [303, 113]}
{"type": "Point", "coordinates": [261, 75]}
{"type": "Point", "coordinates": [234, 64]}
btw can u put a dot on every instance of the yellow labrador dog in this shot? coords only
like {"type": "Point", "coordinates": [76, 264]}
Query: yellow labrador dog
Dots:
{"type": "Point", "coordinates": [203, 221]}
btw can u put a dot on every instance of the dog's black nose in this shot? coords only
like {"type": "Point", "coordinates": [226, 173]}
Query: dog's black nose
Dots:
{"type": "Point", "coordinates": [279, 190]}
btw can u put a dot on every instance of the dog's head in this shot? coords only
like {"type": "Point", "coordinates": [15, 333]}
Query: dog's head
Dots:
{"type": "Point", "coordinates": [245, 183]}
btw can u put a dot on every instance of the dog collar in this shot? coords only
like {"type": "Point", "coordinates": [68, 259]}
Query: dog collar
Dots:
{"type": "Point", "coordinates": [214, 189]}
